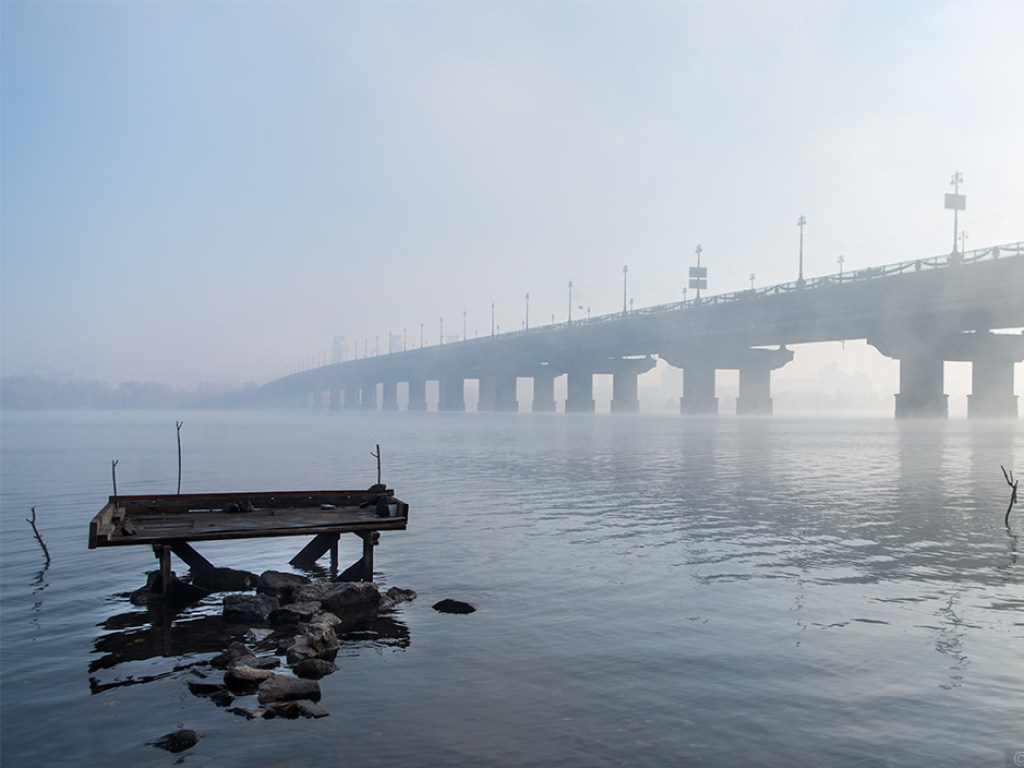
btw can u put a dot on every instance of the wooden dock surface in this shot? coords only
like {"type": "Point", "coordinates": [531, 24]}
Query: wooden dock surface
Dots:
{"type": "Point", "coordinates": [128, 520]}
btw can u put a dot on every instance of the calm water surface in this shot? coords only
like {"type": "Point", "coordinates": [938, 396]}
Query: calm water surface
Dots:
{"type": "Point", "coordinates": [651, 591]}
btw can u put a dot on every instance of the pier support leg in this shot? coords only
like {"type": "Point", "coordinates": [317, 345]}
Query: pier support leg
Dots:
{"type": "Point", "coordinates": [362, 569]}
{"type": "Point", "coordinates": [580, 392]}
{"type": "Point", "coordinates": [487, 388]}
{"type": "Point", "coordinates": [452, 394]}
{"type": "Point", "coordinates": [417, 394]}
{"type": "Point", "coordinates": [316, 548]}
{"type": "Point", "coordinates": [544, 391]}
{"type": "Point", "coordinates": [351, 398]}
{"type": "Point", "coordinates": [698, 390]}
{"type": "Point", "coordinates": [164, 553]}
{"type": "Point", "coordinates": [505, 393]}
{"type": "Point", "coordinates": [921, 385]}
{"type": "Point", "coordinates": [368, 400]}
{"type": "Point", "coordinates": [992, 390]}
{"type": "Point", "coordinates": [390, 396]}
{"type": "Point", "coordinates": [624, 392]}
{"type": "Point", "coordinates": [755, 390]}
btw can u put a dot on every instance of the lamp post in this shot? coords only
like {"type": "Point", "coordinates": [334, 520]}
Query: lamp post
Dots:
{"type": "Point", "coordinates": [625, 270]}
{"type": "Point", "coordinates": [956, 202]}
{"type": "Point", "coordinates": [464, 336]}
{"type": "Point", "coordinates": [841, 260]}
{"type": "Point", "coordinates": [752, 276]}
{"type": "Point", "coordinates": [800, 223]}
{"type": "Point", "coordinates": [421, 335]}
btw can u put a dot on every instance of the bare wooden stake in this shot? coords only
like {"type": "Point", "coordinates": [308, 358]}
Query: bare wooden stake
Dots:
{"type": "Point", "coordinates": [113, 476]}
{"type": "Point", "coordinates": [377, 454]}
{"type": "Point", "coordinates": [1013, 494]}
{"type": "Point", "coordinates": [178, 425]}
{"type": "Point", "coordinates": [32, 521]}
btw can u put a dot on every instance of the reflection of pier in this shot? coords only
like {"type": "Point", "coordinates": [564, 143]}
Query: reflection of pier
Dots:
{"type": "Point", "coordinates": [922, 312]}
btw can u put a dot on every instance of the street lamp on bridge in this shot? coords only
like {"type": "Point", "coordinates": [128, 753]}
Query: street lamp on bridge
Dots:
{"type": "Point", "coordinates": [625, 269]}
{"type": "Point", "coordinates": [800, 223]}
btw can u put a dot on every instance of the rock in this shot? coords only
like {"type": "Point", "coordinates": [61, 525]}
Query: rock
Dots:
{"type": "Point", "coordinates": [281, 585]}
{"type": "Point", "coordinates": [249, 609]}
{"type": "Point", "coordinates": [285, 688]}
{"type": "Point", "coordinates": [262, 662]}
{"type": "Point", "coordinates": [292, 710]}
{"type": "Point", "coordinates": [314, 669]}
{"type": "Point", "coordinates": [234, 652]}
{"type": "Point", "coordinates": [396, 595]}
{"type": "Point", "coordinates": [182, 593]}
{"type": "Point", "coordinates": [204, 689]}
{"type": "Point", "coordinates": [224, 579]}
{"type": "Point", "coordinates": [453, 606]}
{"type": "Point", "coordinates": [248, 714]}
{"type": "Point", "coordinates": [349, 594]}
{"type": "Point", "coordinates": [243, 679]}
{"type": "Point", "coordinates": [293, 613]}
{"type": "Point", "coordinates": [311, 592]}
{"type": "Point", "coordinates": [178, 741]}
{"type": "Point", "coordinates": [324, 617]}
{"type": "Point", "coordinates": [222, 698]}
{"type": "Point", "coordinates": [316, 641]}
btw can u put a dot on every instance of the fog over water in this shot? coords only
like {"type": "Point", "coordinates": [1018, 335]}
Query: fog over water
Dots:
{"type": "Point", "coordinates": [213, 192]}
{"type": "Point", "coordinates": [650, 591]}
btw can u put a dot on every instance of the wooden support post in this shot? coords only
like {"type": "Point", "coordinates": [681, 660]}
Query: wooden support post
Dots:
{"type": "Point", "coordinates": [362, 569]}
{"type": "Point", "coordinates": [190, 557]}
{"type": "Point", "coordinates": [165, 569]}
{"type": "Point", "coordinates": [334, 556]}
{"type": "Point", "coordinates": [315, 549]}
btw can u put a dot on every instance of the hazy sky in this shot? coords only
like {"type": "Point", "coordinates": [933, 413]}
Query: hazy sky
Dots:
{"type": "Point", "coordinates": [211, 191]}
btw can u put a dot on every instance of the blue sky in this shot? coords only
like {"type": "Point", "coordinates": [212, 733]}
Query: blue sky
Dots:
{"type": "Point", "coordinates": [212, 191]}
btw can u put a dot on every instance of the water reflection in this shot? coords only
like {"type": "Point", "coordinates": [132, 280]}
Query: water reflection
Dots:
{"type": "Point", "coordinates": [161, 631]}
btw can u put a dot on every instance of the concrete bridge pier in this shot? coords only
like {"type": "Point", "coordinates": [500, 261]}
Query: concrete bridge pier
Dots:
{"type": "Point", "coordinates": [755, 397]}
{"type": "Point", "coordinates": [417, 394]}
{"type": "Point", "coordinates": [368, 397]}
{"type": "Point", "coordinates": [351, 397]}
{"type": "Point", "coordinates": [505, 393]}
{"type": "Point", "coordinates": [452, 395]}
{"type": "Point", "coordinates": [579, 396]}
{"type": "Point", "coordinates": [624, 382]}
{"type": "Point", "coordinates": [390, 392]}
{"type": "Point", "coordinates": [992, 389]}
{"type": "Point", "coordinates": [544, 391]}
{"type": "Point", "coordinates": [488, 384]}
{"type": "Point", "coordinates": [335, 404]}
{"type": "Point", "coordinates": [921, 385]}
{"type": "Point", "coordinates": [698, 390]}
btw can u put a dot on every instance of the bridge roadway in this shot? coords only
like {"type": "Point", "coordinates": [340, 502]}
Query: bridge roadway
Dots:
{"type": "Point", "coordinates": [921, 312]}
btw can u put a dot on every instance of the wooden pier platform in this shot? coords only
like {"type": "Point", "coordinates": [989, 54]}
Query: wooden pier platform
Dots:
{"type": "Point", "coordinates": [169, 523]}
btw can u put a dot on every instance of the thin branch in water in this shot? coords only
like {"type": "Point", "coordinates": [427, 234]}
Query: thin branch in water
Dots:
{"type": "Point", "coordinates": [178, 425]}
{"type": "Point", "coordinates": [113, 476]}
{"type": "Point", "coordinates": [1013, 494]}
{"type": "Point", "coordinates": [32, 521]}
{"type": "Point", "coordinates": [377, 455]}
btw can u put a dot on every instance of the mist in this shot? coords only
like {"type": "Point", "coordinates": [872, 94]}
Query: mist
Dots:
{"type": "Point", "coordinates": [213, 192]}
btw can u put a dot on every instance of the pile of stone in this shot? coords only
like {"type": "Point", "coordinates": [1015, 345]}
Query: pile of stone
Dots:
{"type": "Point", "coordinates": [301, 614]}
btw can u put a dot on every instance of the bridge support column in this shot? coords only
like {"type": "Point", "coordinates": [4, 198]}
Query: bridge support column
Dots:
{"type": "Point", "coordinates": [624, 393]}
{"type": "Point", "coordinates": [488, 384]}
{"type": "Point", "coordinates": [698, 390]}
{"type": "Point", "coordinates": [992, 389]}
{"type": "Point", "coordinates": [921, 385]}
{"type": "Point", "coordinates": [505, 393]}
{"type": "Point", "coordinates": [390, 392]}
{"type": "Point", "coordinates": [544, 391]}
{"type": "Point", "coordinates": [417, 394]}
{"type": "Point", "coordinates": [368, 399]}
{"type": "Point", "coordinates": [756, 380]}
{"type": "Point", "coordinates": [452, 394]}
{"type": "Point", "coordinates": [351, 397]}
{"type": "Point", "coordinates": [335, 399]}
{"type": "Point", "coordinates": [580, 391]}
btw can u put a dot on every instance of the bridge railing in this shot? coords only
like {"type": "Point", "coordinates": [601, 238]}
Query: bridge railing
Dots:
{"type": "Point", "coordinates": [946, 261]}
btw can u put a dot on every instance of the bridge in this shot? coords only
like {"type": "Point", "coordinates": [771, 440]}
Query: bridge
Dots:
{"type": "Point", "coordinates": [922, 312]}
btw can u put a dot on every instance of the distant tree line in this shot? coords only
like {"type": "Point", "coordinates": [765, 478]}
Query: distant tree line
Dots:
{"type": "Point", "coordinates": [35, 393]}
